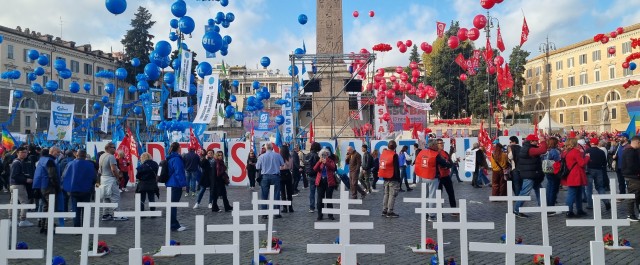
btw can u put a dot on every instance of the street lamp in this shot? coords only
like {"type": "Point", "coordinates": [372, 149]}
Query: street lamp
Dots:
{"type": "Point", "coordinates": [486, 91]}
{"type": "Point", "coordinates": [547, 47]}
{"type": "Point", "coordinates": [487, 30]}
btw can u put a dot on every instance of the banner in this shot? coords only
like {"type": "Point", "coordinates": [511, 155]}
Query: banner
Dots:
{"type": "Point", "coordinates": [500, 43]}
{"type": "Point", "coordinates": [104, 125]}
{"type": "Point", "coordinates": [10, 101]}
{"type": "Point", "coordinates": [117, 104]}
{"type": "Point", "coordinates": [263, 121]}
{"type": "Point", "coordinates": [461, 61]}
{"type": "Point", "coordinates": [416, 104]}
{"type": "Point", "coordinates": [525, 31]}
{"type": "Point", "coordinates": [440, 28]}
{"type": "Point", "coordinates": [381, 126]}
{"type": "Point", "coordinates": [178, 105]}
{"type": "Point", "coordinates": [86, 108]}
{"type": "Point", "coordinates": [183, 76]}
{"type": "Point", "coordinates": [220, 114]}
{"type": "Point", "coordinates": [207, 107]}
{"type": "Point", "coordinates": [287, 112]}
{"type": "Point", "coordinates": [60, 124]}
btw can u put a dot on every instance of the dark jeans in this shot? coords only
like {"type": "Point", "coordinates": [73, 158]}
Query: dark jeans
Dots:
{"type": "Point", "coordinates": [252, 177]}
{"type": "Point", "coordinates": [634, 188]}
{"type": "Point", "coordinates": [147, 195]}
{"type": "Point", "coordinates": [201, 194]}
{"type": "Point", "coordinates": [403, 175]}
{"type": "Point", "coordinates": [324, 191]}
{"type": "Point", "coordinates": [553, 187]}
{"type": "Point", "coordinates": [375, 178]}
{"type": "Point", "coordinates": [176, 195]}
{"type": "Point", "coordinates": [286, 185]}
{"type": "Point", "coordinates": [76, 198]}
{"type": "Point", "coordinates": [312, 194]}
{"type": "Point", "coordinates": [454, 171]}
{"type": "Point", "coordinates": [621, 182]}
{"type": "Point", "coordinates": [516, 182]}
{"type": "Point", "coordinates": [66, 197]}
{"type": "Point", "coordinates": [219, 189]}
{"type": "Point", "coordinates": [448, 186]}
{"type": "Point", "coordinates": [265, 184]}
{"type": "Point", "coordinates": [295, 173]}
{"type": "Point", "coordinates": [594, 180]}
{"type": "Point", "coordinates": [574, 194]}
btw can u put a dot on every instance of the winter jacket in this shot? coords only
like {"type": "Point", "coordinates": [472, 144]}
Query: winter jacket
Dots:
{"type": "Point", "coordinates": [367, 161]}
{"type": "Point", "coordinates": [630, 162]}
{"type": "Point", "coordinates": [206, 178]}
{"type": "Point", "coordinates": [576, 163]}
{"type": "Point", "coordinates": [177, 178]}
{"type": "Point", "coordinates": [330, 166]}
{"type": "Point", "coordinates": [18, 176]}
{"type": "Point", "coordinates": [146, 176]}
{"type": "Point", "coordinates": [191, 161]}
{"type": "Point", "coordinates": [597, 158]}
{"type": "Point", "coordinates": [499, 162]}
{"type": "Point", "coordinates": [619, 155]}
{"type": "Point", "coordinates": [530, 162]}
{"type": "Point", "coordinates": [46, 173]}
{"type": "Point", "coordinates": [79, 176]}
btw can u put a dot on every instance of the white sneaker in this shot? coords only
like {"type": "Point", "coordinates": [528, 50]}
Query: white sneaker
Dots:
{"type": "Point", "coordinates": [25, 223]}
{"type": "Point", "coordinates": [195, 206]}
{"type": "Point", "coordinates": [182, 228]}
{"type": "Point", "coordinates": [210, 205]}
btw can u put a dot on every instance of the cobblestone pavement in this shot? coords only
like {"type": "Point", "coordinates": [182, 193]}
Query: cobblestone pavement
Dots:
{"type": "Point", "coordinates": [571, 244]}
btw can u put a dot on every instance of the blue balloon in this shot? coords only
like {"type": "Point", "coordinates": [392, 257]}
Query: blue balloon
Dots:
{"type": "Point", "coordinates": [302, 19]}
{"type": "Point", "coordinates": [58, 260]}
{"type": "Point", "coordinates": [116, 7]}
{"type": "Point", "coordinates": [164, 63]}
{"type": "Point", "coordinates": [238, 116]}
{"type": "Point", "coordinates": [259, 105]}
{"type": "Point", "coordinates": [186, 24]}
{"type": "Point", "coordinates": [251, 101]}
{"type": "Point", "coordinates": [266, 95]}
{"type": "Point", "coordinates": [17, 94]}
{"type": "Point", "coordinates": [235, 83]}
{"type": "Point", "coordinates": [121, 73]}
{"type": "Point", "coordinates": [59, 64]}
{"type": "Point", "coordinates": [259, 95]}
{"type": "Point", "coordinates": [32, 76]}
{"type": "Point", "coordinates": [298, 52]}
{"type": "Point", "coordinates": [97, 106]}
{"type": "Point", "coordinates": [65, 73]}
{"type": "Point", "coordinates": [163, 48]}
{"type": "Point", "coordinates": [224, 52]}
{"type": "Point", "coordinates": [224, 2]}
{"type": "Point", "coordinates": [43, 60]}
{"type": "Point", "coordinates": [211, 22]}
{"type": "Point", "coordinates": [232, 98]}
{"type": "Point", "coordinates": [51, 85]}
{"type": "Point", "coordinates": [135, 62]}
{"type": "Point", "coordinates": [155, 58]}
{"type": "Point", "coordinates": [33, 54]}
{"type": "Point", "coordinates": [173, 36]}
{"type": "Point", "coordinates": [39, 71]}
{"type": "Point", "coordinates": [220, 17]}
{"type": "Point", "coordinates": [15, 74]}
{"type": "Point", "coordinates": [87, 87]}
{"type": "Point", "coordinates": [230, 17]}
{"type": "Point", "coordinates": [133, 89]}
{"type": "Point", "coordinates": [279, 119]}
{"type": "Point", "coordinates": [212, 41]}
{"type": "Point", "coordinates": [152, 71]}
{"type": "Point", "coordinates": [265, 89]}
{"type": "Point", "coordinates": [225, 24]}
{"type": "Point", "coordinates": [173, 23]}
{"type": "Point", "coordinates": [193, 90]}
{"type": "Point", "coordinates": [265, 61]}
{"type": "Point", "coordinates": [632, 66]}
{"type": "Point", "coordinates": [216, 28]}
{"type": "Point", "coordinates": [137, 110]}
{"type": "Point", "coordinates": [109, 88]}
{"type": "Point", "coordinates": [143, 86]}
{"type": "Point", "coordinates": [227, 39]}
{"type": "Point", "coordinates": [185, 46]}
{"type": "Point", "coordinates": [169, 78]}
{"type": "Point", "coordinates": [203, 69]}
{"type": "Point", "coordinates": [37, 89]}
{"type": "Point", "coordinates": [179, 8]}
{"type": "Point", "coordinates": [74, 87]}
{"type": "Point", "coordinates": [255, 84]}
{"type": "Point", "coordinates": [229, 109]}
{"type": "Point", "coordinates": [175, 64]}
{"type": "Point", "coordinates": [293, 70]}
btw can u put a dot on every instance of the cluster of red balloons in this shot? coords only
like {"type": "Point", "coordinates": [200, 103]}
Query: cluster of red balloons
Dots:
{"type": "Point", "coordinates": [359, 61]}
{"type": "Point", "coordinates": [357, 14]}
{"type": "Point", "coordinates": [426, 47]}
{"type": "Point", "coordinates": [381, 47]}
{"type": "Point", "coordinates": [463, 34]}
{"type": "Point", "coordinates": [488, 4]}
{"type": "Point", "coordinates": [464, 121]}
{"type": "Point", "coordinates": [402, 46]}
{"type": "Point", "coordinates": [603, 38]}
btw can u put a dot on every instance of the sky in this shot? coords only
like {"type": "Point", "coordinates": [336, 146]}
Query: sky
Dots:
{"type": "Point", "coordinates": [270, 27]}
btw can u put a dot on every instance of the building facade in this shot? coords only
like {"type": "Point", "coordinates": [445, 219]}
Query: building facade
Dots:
{"type": "Point", "coordinates": [579, 80]}
{"type": "Point", "coordinates": [34, 112]}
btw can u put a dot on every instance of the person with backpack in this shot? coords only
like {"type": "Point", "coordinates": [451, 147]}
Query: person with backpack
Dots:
{"type": "Point", "coordinates": [310, 160]}
{"type": "Point", "coordinates": [500, 167]}
{"type": "Point", "coordinates": [553, 182]}
{"type": "Point", "coordinates": [365, 172]}
{"type": "Point", "coordinates": [530, 169]}
{"type": "Point", "coordinates": [512, 153]}
{"type": "Point", "coordinates": [176, 180]}
{"type": "Point", "coordinates": [147, 184]}
{"type": "Point", "coordinates": [630, 169]}
{"type": "Point", "coordinates": [597, 163]}
{"type": "Point", "coordinates": [576, 179]}
{"type": "Point", "coordinates": [444, 175]}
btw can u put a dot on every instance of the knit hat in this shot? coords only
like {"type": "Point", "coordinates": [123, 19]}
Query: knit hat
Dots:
{"type": "Point", "coordinates": [532, 137]}
{"type": "Point", "coordinates": [594, 141]}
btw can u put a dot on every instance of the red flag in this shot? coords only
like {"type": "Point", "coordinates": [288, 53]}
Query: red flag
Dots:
{"type": "Point", "coordinates": [461, 61]}
{"type": "Point", "coordinates": [488, 52]}
{"type": "Point", "coordinates": [133, 146]}
{"type": "Point", "coordinates": [125, 146]}
{"type": "Point", "coordinates": [499, 42]}
{"type": "Point", "coordinates": [407, 124]}
{"type": "Point", "coordinates": [525, 32]}
{"type": "Point", "coordinates": [535, 125]}
{"type": "Point", "coordinates": [484, 140]}
{"type": "Point", "coordinates": [440, 28]}
{"type": "Point", "coordinates": [311, 134]}
{"type": "Point", "coordinates": [193, 141]}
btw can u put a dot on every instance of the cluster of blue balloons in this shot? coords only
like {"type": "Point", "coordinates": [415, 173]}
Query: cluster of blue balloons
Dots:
{"type": "Point", "coordinates": [11, 74]}
{"type": "Point", "coordinates": [173, 125]}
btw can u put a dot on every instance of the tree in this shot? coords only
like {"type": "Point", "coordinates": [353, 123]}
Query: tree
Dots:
{"type": "Point", "coordinates": [517, 60]}
{"type": "Point", "coordinates": [137, 42]}
{"type": "Point", "coordinates": [414, 56]}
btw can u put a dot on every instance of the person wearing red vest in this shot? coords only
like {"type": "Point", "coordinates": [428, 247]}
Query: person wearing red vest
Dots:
{"type": "Point", "coordinates": [445, 174]}
{"type": "Point", "coordinates": [428, 163]}
{"type": "Point", "coordinates": [389, 170]}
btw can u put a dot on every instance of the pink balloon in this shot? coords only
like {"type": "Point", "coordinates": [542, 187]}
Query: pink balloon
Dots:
{"type": "Point", "coordinates": [364, 51]}
{"type": "Point", "coordinates": [390, 93]}
{"type": "Point", "coordinates": [480, 21]}
{"type": "Point", "coordinates": [397, 101]}
{"type": "Point", "coordinates": [462, 34]}
{"type": "Point", "coordinates": [414, 80]}
{"type": "Point", "coordinates": [425, 47]}
{"type": "Point", "coordinates": [404, 77]}
{"type": "Point", "coordinates": [399, 69]}
{"type": "Point", "coordinates": [498, 2]}
{"type": "Point", "coordinates": [604, 40]}
{"type": "Point", "coordinates": [487, 4]}
{"type": "Point", "coordinates": [395, 86]}
{"type": "Point", "coordinates": [620, 30]}
{"type": "Point", "coordinates": [409, 43]}
{"type": "Point", "coordinates": [453, 42]}
{"type": "Point", "coordinates": [473, 34]}
{"type": "Point", "coordinates": [371, 13]}
{"type": "Point", "coordinates": [613, 34]}
{"type": "Point", "coordinates": [415, 73]}
{"type": "Point", "coordinates": [612, 50]}
{"type": "Point", "coordinates": [399, 43]}
{"type": "Point", "coordinates": [392, 78]}
{"type": "Point", "coordinates": [356, 13]}
{"type": "Point", "coordinates": [412, 91]}
{"type": "Point", "coordinates": [381, 71]}
{"type": "Point", "coordinates": [413, 65]}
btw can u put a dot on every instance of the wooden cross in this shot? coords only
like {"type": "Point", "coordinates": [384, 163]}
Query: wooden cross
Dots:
{"type": "Point", "coordinates": [6, 253]}
{"type": "Point", "coordinates": [464, 226]}
{"type": "Point", "coordinates": [168, 205]}
{"type": "Point", "coordinates": [236, 228]}
{"type": "Point", "coordinates": [510, 198]}
{"type": "Point", "coordinates": [255, 213]}
{"type": "Point", "coordinates": [50, 215]}
{"type": "Point", "coordinates": [270, 203]}
{"type": "Point", "coordinates": [15, 208]}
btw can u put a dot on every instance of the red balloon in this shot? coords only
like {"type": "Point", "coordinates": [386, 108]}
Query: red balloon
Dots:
{"type": "Point", "coordinates": [381, 71]}
{"type": "Point", "coordinates": [625, 65]}
{"type": "Point", "coordinates": [392, 78]}
{"type": "Point", "coordinates": [390, 93]}
{"type": "Point", "coordinates": [364, 51]}
{"type": "Point", "coordinates": [604, 40]}
{"type": "Point", "coordinates": [462, 34]}
{"type": "Point", "coordinates": [395, 86]}
{"type": "Point", "coordinates": [480, 21]}
{"type": "Point", "coordinates": [412, 91]}
{"type": "Point", "coordinates": [386, 116]}
{"type": "Point", "coordinates": [403, 48]}
{"type": "Point", "coordinates": [498, 2]}
{"type": "Point", "coordinates": [487, 4]}
{"type": "Point", "coordinates": [453, 42]}
{"type": "Point", "coordinates": [399, 43]}
{"type": "Point", "coordinates": [409, 43]}
{"type": "Point", "coordinates": [413, 65]}
{"type": "Point", "coordinates": [612, 50]}
{"type": "Point", "coordinates": [613, 34]}
{"type": "Point", "coordinates": [383, 86]}
{"type": "Point", "coordinates": [421, 94]}
{"type": "Point", "coordinates": [498, 60]}
{"type": "Point", "coordinates": [378, 78]}
{"type": "Point", "coordinates": [369, 86]}
{"type": "Point", "coordinates": [415, 73]}
{"type": "Point", "coordinates": [404, 77]}
{"type": "Point", "coordinates": [397, 101]}
{"type": "Point", "coordinates": [492, 70]}
{"type": "Point", "coordinates": [356, 13]}
{"type": "Point", "coordinates": [473, 34]}
{"type": "Point", "coordinates": [426, 47]}
{"type": "Point", "coordinates": [399, 69]}
{"type": "Point", "coordinates": [371, 13]}
{"type": "Point", "coordinates": [414, 80]}
{"type": "Point", "coordinates": [463, 77]}
{"type": "Point", "coordinates": [620, 30]}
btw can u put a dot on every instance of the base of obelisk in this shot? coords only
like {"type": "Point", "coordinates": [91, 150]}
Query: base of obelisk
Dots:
{"type": "Point", "coordinates": [605, 127]}
{"type": "Point", "coordinates": [424, 251]}
{"type": "Point", "coordinates": [324, 132]}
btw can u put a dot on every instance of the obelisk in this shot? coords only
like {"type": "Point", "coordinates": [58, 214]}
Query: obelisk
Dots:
{"type": "Point", "coordinates": [329, 41]}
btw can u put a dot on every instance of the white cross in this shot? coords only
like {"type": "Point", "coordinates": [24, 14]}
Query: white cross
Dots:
{"type": "Point", "coordinates": [614, 196]}
{"type": "Point", "coordinates": [86, 230]}
{"type": "Point", "coordinates": [510, 198]}
{"type": "Point", "coordinates": [510, 248]}
{"type": "Point", "coordinates": [6, 253]}
{"type": "Point", "coordinates": [255, 213]}
{"type": "Point", "coordinates": [168, 205]}
{"type": "Point", "coordinates": [439, 201]}
{"type": "Point", "coordinates": [236, 228]}
{"type": "Point", "coordinates": [50, 215]}
{"type": "Point", "coordinates": [137, 214]}
{"type": "Point", "coordinates": [348, 252]}
{"type": "Point", "coordinates": [199, 249]}
{"type": "Point", "coordinates": [15, 208]}
{"type": "Point", "coordinates": [98, 205]}
{"type": "Point", "coordinates": [464, 226]}
{"type": "Point", "coordinates": [543, 209]}
{"type": "Point", "coordinates": [270, 203]}
{"type": "Point", "coordinates": [423, 200]}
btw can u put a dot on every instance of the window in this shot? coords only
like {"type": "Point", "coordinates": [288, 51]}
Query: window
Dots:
{"type": "Point", "coordinates": [572, 81]}
{"type": "Point", "coordinates": [75, 66]}
{"type": "Point", "coordinates": [612, 72]}
{"type": "Point", "coordinates": [561, 104]}
{"type": "Point", "coordinates": [611, 55]}
{"type": "Point", "coordinates": [560, 83]}
{"type": "Point", "coordinates": [25, 56]}
{"type": "Point", "coordinates": [28, 103]}
{"type": "Point", "coordinates": [99, 90]}
{"type": "Point", "coordinates": [45, 79]}
{"type": "Point", "coordinates": [27, 121]}
{"type": "Point", "coordinates": [614, 113]}
{"type": "Point", "coordinates": [585, 116]}
{"type": "Point", "coordinates": [28, 81]}
{"type": "Point", "coordinates": [528, 72]}
{"type": "Point", "coordinates": [612, 96]}
{"type": "Point", "coordinates": [626, 47]}
{"type": "Point", "coordinates": [88, 69]}
{"type": "Point", "coordinates": [584, 100]}
{"type": "Point", "coordinates": [627, 71]}
{"type": "Point", "coordinates": [569, 62]}
{"type": "Point", "coordinates": [529, 90]}
{"type": "Point", "coordinates": [234, 89]}
{"type": "Point", "coordinates": [583, 78]}
{"type": "Point", "coordinates": [247, 89]}
{"type": "Point", "coordinates": [538, 71]}
{"type": "Point", "coordinates": [582, 59]}
{"type": "Point", "coordinates": [561, 117]}
{"type": "Point", "coordinates": [272, 88]}
{"type": "Point", "coordinates": [538, 87]}
{"type": "Point", "coordinates": [595, 56]}
{"type": "Point", "coordinates": [539, 106]}
{"type": "Point", "coordinates": [596, 73]}
{"type": "Point", "coordinates": [9, 51]}
{"type": "Point", "coordinates": [558, 65]}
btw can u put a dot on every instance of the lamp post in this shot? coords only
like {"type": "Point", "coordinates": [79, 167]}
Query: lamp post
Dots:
{"type": "Point", "coordinates": [486, 91]}
{"type": "Point", "coordinates": [487, 30]}
{"type": "Point", "coordinates": [547, 47]}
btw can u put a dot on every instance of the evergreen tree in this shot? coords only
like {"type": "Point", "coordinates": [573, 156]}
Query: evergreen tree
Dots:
{"type": "Point", "coordinates": [517, 60]}
{"type": "Point", "coordinates": [414, 56]}
{"type": "Point", "coordinates": [137, 42]}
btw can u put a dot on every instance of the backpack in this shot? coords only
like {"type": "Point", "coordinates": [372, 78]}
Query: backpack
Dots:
{"type": "Point", "coordinates": [29, 166]}
{"type": "Point", "coordinates": [547, 164]}
{"type": "Point", "coordinates": [310, 160]}
{"type": "Point", "coordinates": [163, 177]}
{"type": "Point", "coordinates": [560, 168]}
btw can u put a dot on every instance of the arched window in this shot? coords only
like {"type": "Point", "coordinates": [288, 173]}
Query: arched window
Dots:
{"type": "Point", "coordinates": [539, 106]}
{"type": "Point", "coordinates": [28, 103]}
{"type": "Point", "coordinates": [629, 94]}
{"type": "Point", "coordinates": [613, 96]}
{"type": "Point", "coordinates": [561, 103]}
{"type": "Point", "coordinates": [584, 100]}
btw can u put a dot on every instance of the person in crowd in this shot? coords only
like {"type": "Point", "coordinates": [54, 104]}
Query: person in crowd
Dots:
{"type": "Point", "coordinates": [325, 181]}
{"type": "Point", "coordinates": [251, 169]}
{"type": "Point", "coordinates": [417, 149]}
{"type": "Point", "coordinates": [405, 161]}
{"type": "Point", "coordinates": [623, 139]}
{"type": "Point", "coordinates": [303, 174]}
{"type": "Point", "coordinates": [30, 168]}
{"type": "Point", "coordinates": [512, 153]}
{"type": "Point", "coordinates": [269, 165]}
{"type": "Point", "coordinates": [69, 156]}
{"type": "Point", "coordinates": [479, 165]}
{"type": "Point", "coordinates": [455, 163]}
{"type": "Point", "coordinates": [500, 167]}
{"type": "Point", "coordinates": [295, 169]}
{"type": "Point", "coordinates": [7, 160]}
{"type": "Point", "coordinates": [595, 178]}
{"type": "Point", "coordinates": [19, 180]}
{"type": "Point", "coordinates": [123, 166]}
{"type": "Point", "coordinates": [46, 181]}
{"type": "Point", "coordinates": [444, 173]}
{"type": "Point", "coordinates": [374, 169]}
{"type": "Point", "coordinates": [553, 182]}
{"type": "Point", "coordinates": [219, 184]}
{"type": "Point", "coordinates": [109, 185]}
{"type": "Point", "coordinates": [577, 179]}
{"type": "Point", "coordinates": [365, 172]}
{"type": "Point", "coordinates": [79, 178]}
{"type": "Point", "coordinates": [205, 178]}
{"type": "Point", "coordinates": [192, 170]}
{"type": "Point", "coordinates": [430, 167]}
{"type": "Point", "coordinates": [177, 181]}
{"type": "Point", "coordinates": [602, 145]}
{"type": "Point", "coordinates": [286, 179]}
{"type": "Point", "coordinates": [483, 174]}
{"type": "Point", "coordinates": [530, 166]}
{"type": "Point", "coordinates": [147, 184]}
{"type": "Point", "coordinates": [354, 160]}
{"type": "Point", "coordinates": [630, 170]}
{"type": "Point", "coordinates": [310, 160]}
{"type": "Point", "coordinates": [390, 172]}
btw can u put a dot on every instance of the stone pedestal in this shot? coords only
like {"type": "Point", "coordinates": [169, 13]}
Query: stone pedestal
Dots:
{"type": "Point", "coordinates": [605, 127]}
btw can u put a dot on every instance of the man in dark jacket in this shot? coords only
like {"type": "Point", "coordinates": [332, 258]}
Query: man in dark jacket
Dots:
{"type": "Point", "coordinates": [79, 178]}
{"type": "Point", "coordinates": [367, 164]}
{"type": "Point", "coordinates": [295, 169]}
{"type": "Point", "coordinates": [619, 156]}
{"type": "Point", "coordinates": [46, 180]}
{"type": "Point", "coordinates": [597, 164]}
{"type": "Point", "coordinates": [530, 167]}
{"type": "Point", "coordinates": [19, 180]}
{"type": "Point", "coordinates": [512, 152]}
{"type": "Point", "coordinates": [630, 169]}
{"type": "Point", "coordinates": [68, 157]}
{"type": "Point", "coordinates": [192, 170]}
